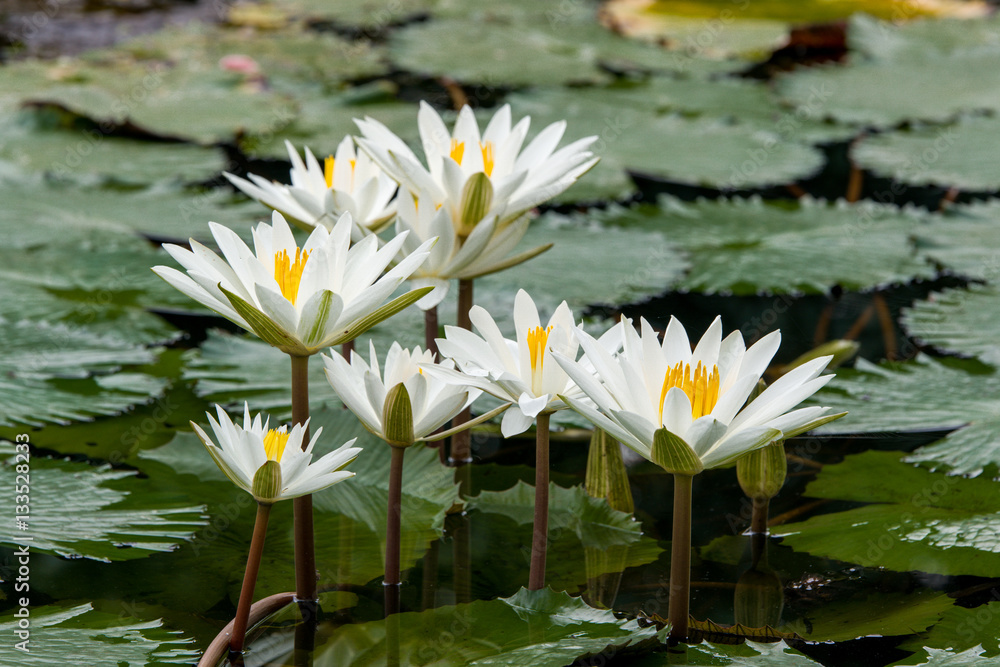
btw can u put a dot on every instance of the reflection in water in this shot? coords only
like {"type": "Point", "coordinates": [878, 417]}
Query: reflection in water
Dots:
{"type": "Point", "coordinates": [760, 596]}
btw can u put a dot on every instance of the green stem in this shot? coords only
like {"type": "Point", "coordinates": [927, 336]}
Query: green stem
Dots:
{"type": "Point", "coordinates": [305, 550]}
{"type": "Point", "coordinates": [431, 331]}
{"type": "Point", "coordinates": [249, 579]}
{"type": "Point", "coordinates": [392, 524]}
{"type": "Point", "coordinates": [680, 559]}
{"type": "Point", "coordinates": [758, 519]}
{"type": "Point", "coordinates": [461, 450]}
{"type": "Point", "coordinates": [540, 535]}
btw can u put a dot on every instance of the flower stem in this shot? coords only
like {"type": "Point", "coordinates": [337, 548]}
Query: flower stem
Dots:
{"type": "Point", "coordinates": [346, 349]}
{"type": "Point", "coordinates": [392, 524]}
{"type": "Point", "coordinates": [305, 550]}
{"type": "Point", "coordinates": [461, 451]}
{"type": "Point", "coordinates": [249, 579]}
{"type": "Point", "coordinates": [431, 330]}
{"type": "Point", "coordinates": [758, 519]}
{"type": "Point", "coordinates": [540, 535]}
{"type": "Point", "coordinates": [680, 559]}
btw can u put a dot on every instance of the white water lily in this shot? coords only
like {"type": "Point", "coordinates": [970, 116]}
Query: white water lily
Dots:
{"type": "Point", "coordinates": [479, 176]}
{"type": "Point", "coordinates": [695, 398]}
{"type": "Point", "coordinates": [487, 249]}
{"type": "Point", "coordinates": [300, 300]}
{"type": "Point", "coordinates": [520, 371]}
{"type": "Point", "coordinates": [348, 182]}
{"type": "Point", "coordinates": [364, 387]}
{"type": "Point", "coordinates": [242, 453]}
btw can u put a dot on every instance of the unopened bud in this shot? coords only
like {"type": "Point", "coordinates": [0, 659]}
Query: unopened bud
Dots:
{"type": "Point", "coordinates": [762, 472]}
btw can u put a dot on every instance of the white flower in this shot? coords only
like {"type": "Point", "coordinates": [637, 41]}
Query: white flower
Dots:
{"type": "Point", "coordinates": [486, 249]}
{"type": "Point", "coordinates": [348, 182]}
{"type": "Point", "coordinates": [479, 176]}
{"type": "Point", "coordinates": [363, 388]}
{"type": "Point", "coordinates": [298, 299]}
{"type": "Point", "coordinates": [697, 397]}
{"type": "Point", "coordinates": [243, 452]}
{"type": "Point", "coordinates": [518, 370]}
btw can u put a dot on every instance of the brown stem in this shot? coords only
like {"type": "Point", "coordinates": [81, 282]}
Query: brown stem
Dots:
{"type": "Point", "coordinates": [305, 549]}
{"type": "Point", "coordinates": [461, 451]}
{"type": "Point", "coordinates": [249, 578]}
{"type": "Point", "coordinates": [431, 330]}
{"type": "Point", "coordinates": [346, 349]}
{"type": "Point", "coordinates": [392, 524]}
{"type": "Point", "coordinates": [823, 325]}
{"type": "Point", "coordinates": [259, 610]}
{"type": "Point", "coordinates": [539, 539]}
{"type": "Point", "coordinates": [758, 519]}
{"type": "Point", "coordinates": [860, 323]}
{"type": "Point", "coordinates": [854, 182]}
{"type": "Point", "coordinates": [885, 322]}
{"type": "Point", "coordinates": [427, 598]}
{"type": "Point", "coordinates": [680, 559]}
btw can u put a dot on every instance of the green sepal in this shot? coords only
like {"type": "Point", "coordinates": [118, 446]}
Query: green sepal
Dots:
{"type": "Point", "coordinates": [507, 263]}
{"type": "Point", "coordinates": [674, 455]}
{"type": "Point", "coordinates": [267, 482]}
{"type": "Point", "coordinates": [816, 423]}
{"type": "Point", "coordinates": [762, 472]}
{"type": "Point", "coordinates": [397, 417]}
{"type": "Point", "coordinates": [606, 474]}
{"type": "Point", "coordinates": [383, 313]}
{"type": "Point", "coordinates": [841, 350]}
{"type": "Point", "coordinates": [477, 197]}
{"type": "Point", "coordinates": [264, 326]}
{"type": "Point", "coordinates": [317, 329]}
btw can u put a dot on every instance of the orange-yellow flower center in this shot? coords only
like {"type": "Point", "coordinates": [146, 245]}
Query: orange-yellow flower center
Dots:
{"type": "Point", "coordinates": [274, 444]}
{"type": "Point", "coordinates": [288, 274]}
{"type": "Point", "coordinates": [701, 387]}
{"type": "Point", "coordinates": [457, 150]}
{"type": "Point", "coordinates": [488, 157]}
{"type": "Point", "coordinates": [328, 170]}
{"type": "Point", "coordinates": [537, 338]}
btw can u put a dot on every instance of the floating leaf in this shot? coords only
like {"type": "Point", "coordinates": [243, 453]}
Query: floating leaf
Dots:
{"type": "Point", "coordinates": [959, 155]}
{"type": "Point", "coordinates": [92, 638]}
{"type": "Point", "coordinates": [542, 628]}
{"type": "Point", "coordinates": [747, 246]}
{"type": "Point", "coordinates": [962, 321]}
{"type": "Point", "coordinates": [964, 240]}
{"type": "Point", "coordinates": [892, 39]}
{"type": "Point", "coordinates": [78, 518]}
{"type": "Point", "coordinates": [962, 629]}
{"type": "Point", "coordinates": [747, 654]}
{"type": "Point", "coordinates": [946, 658]}
{"type": "Point", "coordinates": [920, 520]}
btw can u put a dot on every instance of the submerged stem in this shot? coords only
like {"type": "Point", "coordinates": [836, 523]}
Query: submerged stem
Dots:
{"type": "Point", "coordinates": [305, 550]}
{"type": "Point", "coordinates": [461, 451]}
{"type": "Point", "coordinates": [249, 579]}
{"type": "Point", "coordinates": [680, 559]}
{"type": "Point", "coordinates": [540, 535]}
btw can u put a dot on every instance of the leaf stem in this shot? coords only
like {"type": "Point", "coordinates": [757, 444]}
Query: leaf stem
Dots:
{"type": "Point", "coordinates": [305, 550]}
{"type": "Point", "coordinates": [249, 579]}
{"type": "Point", "coordinates": [680, 559]}
{"type": "Point", "coordinates": [540, 535]}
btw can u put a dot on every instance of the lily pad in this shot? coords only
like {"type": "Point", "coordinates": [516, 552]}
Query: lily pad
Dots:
{"type": "Point", "coordinates": [964, 240]}
{"type": "Point", "coordinates": [55, 373]}
{"type": "Point", "coordinates": [922, 395]}
{"type": "Point", "coordinates": [82, 517]}
{"type": "Point", "coordinates": [947, 658]}
{"type": "Point", "coordinates": [918, 520]}
{"type": "Point", "coordinates": [891, 39]}
{"type": "Point", "coordinates": [92, 638]}
{"type": "Point", "coordinates": [962, 321]}
{"type": "Point", "coordinates": [962, 629]}
{"type": "Point", "coordinates": [748, 246]}
{"type": "Point", "coordinates": [959, 155]}
{"type": "Point", "coordinates": [542, 628]}
{"type": "Point", "coordinates": [747, 654]}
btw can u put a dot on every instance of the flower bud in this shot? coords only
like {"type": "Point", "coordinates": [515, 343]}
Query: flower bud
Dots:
{"type": "Point", "coordinates": [759, 599]}
{"type": "Point", "coordinates": [267, 482]}
{"type": "Point", "coordinates": [762, 472]}
{"type": "Point", "coordinates": [397, 417]}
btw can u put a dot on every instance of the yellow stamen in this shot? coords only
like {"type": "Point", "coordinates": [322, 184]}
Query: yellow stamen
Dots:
{"type": "Point", "coordinates": [274, 444]}
{"type": "Point", "coordinates": [288, 274]}
{"type": "Point", "coordinates": [702, 388]}
{"type": "Point", "coordinates": [537, 338]}
{"type": "Point", "coordinates": [488, 157]}
{"type": "Point", "coordinates": [457, 150]}
{"type": "Point", "coordinates": [328, 170]}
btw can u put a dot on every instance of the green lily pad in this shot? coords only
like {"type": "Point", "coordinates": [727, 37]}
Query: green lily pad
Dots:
{"type": "Point", "coordinates": [90, 158]}
{"type": "Point", "coordinates": [56, 374]}
{"type": "Point", "coordinates": [92, 638]}
{"type": "Point", "coordinates": [922, 395]}
{"type": "Point", "coordinates": [961, 629]}
{"type": "Point", "coordinates": [542, 628]}
{"type": "Point", "coordinates": [746, 654]}
{"type": "Point", "coordinates": [947, 658]}
{"type": "Point", "coordinates": [901, 40]}
{"type": "Point", "coordinates": [370, 16]}
{"type": "Point", "coordinates": [961, 321]}
{"type": "Point", "coordinates": [963, 240]}
{"type": "Point", "coordinates": [959, 155]}
{"type": "Point", "coordinates": [748, 246]}
{"type": "Point", "coordinates": [80, 517]}
{"type": "Point", "coordinates": [919, 520]}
